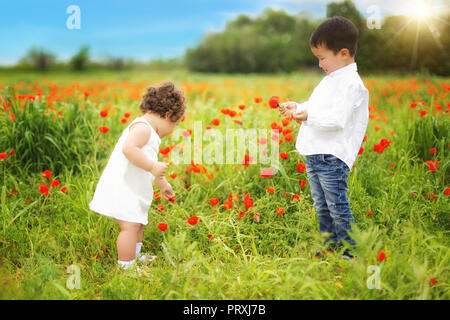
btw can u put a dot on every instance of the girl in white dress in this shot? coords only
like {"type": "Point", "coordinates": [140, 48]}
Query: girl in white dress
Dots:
{"type": "Point", "coordinates": [124, 191]}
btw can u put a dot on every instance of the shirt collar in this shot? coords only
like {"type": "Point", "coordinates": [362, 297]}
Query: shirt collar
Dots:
{"type": "Point", "coordinates": [348, 68]}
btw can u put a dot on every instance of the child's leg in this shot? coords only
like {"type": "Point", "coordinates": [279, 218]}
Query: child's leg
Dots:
{"type": "Point", "coordinates": [140, 233]}
{"type": "Point", "coordinates": [334, 182]}
{"type": "Point", "coordinates": [140, 236]}
{"type": "Point", "coordinates": [127, 239]}
{"type": "Point", "coordinates": [326, 224]}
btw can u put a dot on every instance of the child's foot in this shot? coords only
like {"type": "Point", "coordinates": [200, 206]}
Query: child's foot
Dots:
{"type": "Point", "coordinates": [145, 258]}
{"type": "Point", "coordinates": [346, 255]}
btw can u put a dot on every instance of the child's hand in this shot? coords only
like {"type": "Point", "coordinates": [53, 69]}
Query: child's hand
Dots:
{"type": "Point", "coordinates": [287, 108]}
{"type": "Point", "coordinates": [167, 191]}
{"type": "Point", "coordinates": [159, 169]}
{"type": "Point", "coordinates": [300, 116]}
{"type": "Point", "coordinates": [165, 188]}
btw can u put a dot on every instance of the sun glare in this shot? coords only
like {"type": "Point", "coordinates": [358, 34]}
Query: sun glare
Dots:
{"type": "Point", "coordinates": [420, 10]}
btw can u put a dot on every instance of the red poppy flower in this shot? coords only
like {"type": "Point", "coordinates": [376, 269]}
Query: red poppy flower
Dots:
{"type": "Point", "coordinates": [274, 102]}
{"type": "Point", "coordinates": [44, 190]}
{"type": "Point", "coordinates": [275, 125]}
{"type": "Point", "coordinates": [361, 150]}
{"type": "Point", "coordinates": [432, 282]}
{"type": "Point", "coordinates": [413, 105]}
{"type": "Point", "coordinates": [171, 199]}
{"type": "Point", "coordinates": [228, 204]}
{"type": "Point", "coordinates": [284, 155]}
{"type": "Point", "coordinates": [248, 202]}
{"type": "Point", "coordinates": [270, 190]}
{"type": "Point", "coordinates": [164, 151]}
{"type": "Point", "coordinates": [258, 99]}
{"type": "Point", "coordinates": [241, 106]}
{"type": "Point", "coordinates": [126, 114]}
{"type": "Point", "coordinates": [160, 207]}
{"type": "Point", "coordinates": [210, 236]}
{"type": "Point", "coordinates": [12, 152]}
{"type": "Point", "coordinates": [247, 160]}
{"type": "Point", "coordinates": [369, 213]}
{"type": "Point", "coordinates": [54, 183]}
{"type": "Point", "coordinates": [262, 141]}
{"type": "Point", "coordinates": [3, 155]}
{"type": "Point", "coordinates": [64, 189]}
{"type": "Point", "coordinates": [104, 113]}
{"type": "Point", "coordinates": [103, 129]}
{"type": "Point", "coordinates": [302, 183]}
{"type": "Point", "coordinates": [447, 191]}
{"type": "Point", "coordinates": [232, 113]}
{"type": "Point", "coordinates": [433, 165]}
{"type": "Point", "coordinates": [433, 150]}
{"type": "Point", "coordinates": [215, 122]}
{"type": "Point", "coordinates": [280, 211]}
{"type": "Point", "coordinates": [156, 195]}
{"type": "Point", "coordinates": [47, 173]}
{"type": "Point", "coordinates": [381, 256]}
{"type": "Point", "coordinates": [267, 173]}
{"type": "Point", "coordinates": [214, 201]}
{"type": "Point", "coordinates": [301, 167]}
{"type": "Point", "coordinates": [193, 220]}
{"type": "Point", "coordinates": [162, 226]}
{"type": "Point", "coordinates": [289, 137]}
{"type": "Point", "coordinates": [173, 175]}
{"type": "Point", "coordinates": [432, 196]}
{"type": "Point", "coordinates": [423, 112]}
{"type": "Point", "coordinates": [241, 214]}
{"type": "Point", "coordinates": [186, 133]}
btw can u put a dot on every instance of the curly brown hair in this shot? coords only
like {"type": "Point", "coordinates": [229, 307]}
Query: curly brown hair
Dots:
{"type": "Point", "coordinates": [165, 100]}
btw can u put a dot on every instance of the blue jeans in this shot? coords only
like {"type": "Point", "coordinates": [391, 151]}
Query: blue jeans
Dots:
{"type": "Point", "coordinates": [327, 176]}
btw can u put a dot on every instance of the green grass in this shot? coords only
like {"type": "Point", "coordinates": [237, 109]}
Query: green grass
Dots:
{"type": "Point", "coordinates": [246, 259]}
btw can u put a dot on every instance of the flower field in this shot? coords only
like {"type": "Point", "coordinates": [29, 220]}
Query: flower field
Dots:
{"type": "Point", "coordinates": [234, 230]}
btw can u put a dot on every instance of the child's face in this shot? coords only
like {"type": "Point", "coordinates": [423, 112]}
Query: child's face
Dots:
{"type": "Point", "coordinates": [329, 61]}
{"type": "Point", "coordinates": [168, 126]}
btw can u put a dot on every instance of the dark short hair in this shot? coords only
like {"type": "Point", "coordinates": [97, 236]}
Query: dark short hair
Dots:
{"type": "Point", "coordinates": [336, 33]}
{"type": "Point", "coordinates": [165, 100]}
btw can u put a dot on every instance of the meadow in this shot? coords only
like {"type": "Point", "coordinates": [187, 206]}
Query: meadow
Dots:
{"type": "Point", "coordinates": [230, 233]}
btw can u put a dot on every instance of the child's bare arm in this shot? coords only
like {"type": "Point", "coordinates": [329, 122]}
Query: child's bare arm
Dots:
{"type": "Point", "coordinates": [138, 137]}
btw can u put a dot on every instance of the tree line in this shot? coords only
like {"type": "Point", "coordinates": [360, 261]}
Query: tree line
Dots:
{"type": "Point", "coordinates": [278, 42]}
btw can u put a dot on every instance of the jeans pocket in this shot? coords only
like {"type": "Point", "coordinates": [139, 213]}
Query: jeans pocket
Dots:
{"type": "Point", "coordinates": [331, 160]}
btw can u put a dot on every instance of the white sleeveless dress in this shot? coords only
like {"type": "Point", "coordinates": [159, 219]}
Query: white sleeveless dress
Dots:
{"type": "Point", "coordinates": [125, 191]}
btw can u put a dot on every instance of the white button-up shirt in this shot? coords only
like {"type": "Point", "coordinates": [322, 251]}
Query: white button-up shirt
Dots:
{"type": "Point", "coordinates": [338, 114]}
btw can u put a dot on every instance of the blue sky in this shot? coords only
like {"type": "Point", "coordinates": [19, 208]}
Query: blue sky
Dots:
{"type": "Point", "coordinates": [137, 29]}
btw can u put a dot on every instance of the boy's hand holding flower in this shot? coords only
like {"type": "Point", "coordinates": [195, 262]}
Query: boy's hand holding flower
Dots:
{"type": "Point", "coordinates": [287, 108]}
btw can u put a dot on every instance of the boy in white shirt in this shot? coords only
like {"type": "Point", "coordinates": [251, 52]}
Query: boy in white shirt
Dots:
{"type": "Point", "coordinates": [334, 121]}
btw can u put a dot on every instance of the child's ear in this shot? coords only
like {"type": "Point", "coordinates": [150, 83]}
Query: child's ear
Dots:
{"type": "Point", "coordinates": [344, 52]}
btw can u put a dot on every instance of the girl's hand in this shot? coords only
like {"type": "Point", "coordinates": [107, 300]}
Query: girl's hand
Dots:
{"type": "Point", "coordinates": [167, 191]}
{"type": "Point", "coordinates": [288, 108]}
{"type": "Point", "coordinates": [165, 188]}
{"type": "Point", "coordinates": [300, 116]}
{"type": "Point", "coordinates": [159, 169]}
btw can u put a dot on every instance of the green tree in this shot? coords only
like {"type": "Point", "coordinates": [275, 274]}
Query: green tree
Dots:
{"type": "Point", "coordinates": [39, 59]}
{"type": "Point", "coordinates": [80, 60]}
